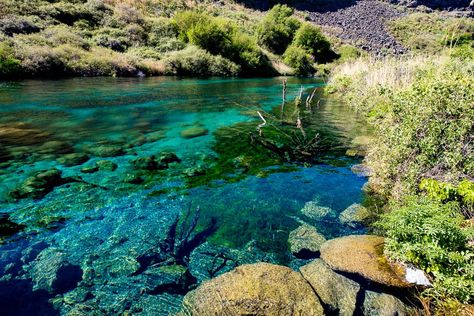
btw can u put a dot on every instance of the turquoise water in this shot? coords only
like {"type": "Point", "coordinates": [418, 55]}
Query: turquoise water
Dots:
{"type": "Point", "coordinates": [107, 241]}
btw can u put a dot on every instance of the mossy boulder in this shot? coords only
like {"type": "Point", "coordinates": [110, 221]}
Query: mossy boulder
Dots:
{"type": "Point", "coordinates": [336, 291]}
{"type": "Point", "coordinates": [20, 134]}
{"type": "Point", "coordinates": [317, 212]}
{"type": "Point", "coordinates": [107, 150]}
{"type": "Point", "coordinates": [193, 132]}
{"type": "Point", "coordinates": [56, 147]}
{"type": "Point", "coordinates": [38, 185]}
{"type": "Point", "coordinates": [7, 227]}
{"type": "Point", "coordinates": [73, 159]}
{"type": "Point", "coordinates": [363, 255]}
{"type": "Point", "coordinates": [106, 165]}
{"type": "Point", "coordinates": [305, 240]}
{"type": "Point", "coordinates": [254, 289]}
{"type": "Point", "coordinates": [355, 216]}
{"type": "Point", "coordinates": [168, 157]}
{"type": "Point", "coordinates": [149, 164]}
{"type": "Point", "coordinates": [382, 304]}
{"type": "Point", "coordinates": [90, 169]}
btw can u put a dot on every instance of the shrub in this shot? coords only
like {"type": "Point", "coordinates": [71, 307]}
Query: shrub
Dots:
{"type": "Point", "coordinates": [13, 24]}
{"type": "Point", "coordinates": [248, 55]}
{"type": "Point", "coordinates": [115, 39]}
{"type": "Point", "coordinates": [65, 12]}
{"type": "Point", "coordinates": [59, 35]}
{"type": "Point", "coordinates": [40, 60]}
{"type": "Point", "coordinates": [430, 235]}
{"type": "Point", "coordinates": [299, 59]}
{"type": "Point", "coordinates": [9, 65]}
{"type": "Point", "coordinates": [312, 40]}
{"type": "Point", "coordinates": [128, 14]}
{"type": "Point", "coordinates": [194, 61]}
{"type": "Point", "coordinates": [200, 29]}
{"type": "Point", "coordinates": [277, 29]}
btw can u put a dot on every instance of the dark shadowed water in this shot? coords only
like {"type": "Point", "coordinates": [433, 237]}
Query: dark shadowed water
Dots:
{"type": "Point", "coordinates": [135, 236]}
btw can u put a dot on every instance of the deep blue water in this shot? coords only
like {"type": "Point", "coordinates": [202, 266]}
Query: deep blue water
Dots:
{"type": "Point", "coordinates": [110, 239]}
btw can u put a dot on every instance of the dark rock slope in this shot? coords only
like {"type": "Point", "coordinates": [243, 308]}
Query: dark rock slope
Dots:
{"type": "Point", "coordinates": [362, 24]}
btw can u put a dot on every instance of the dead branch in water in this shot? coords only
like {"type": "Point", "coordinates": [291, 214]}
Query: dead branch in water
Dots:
{"type": "Point", "coordinates": [283, 99]}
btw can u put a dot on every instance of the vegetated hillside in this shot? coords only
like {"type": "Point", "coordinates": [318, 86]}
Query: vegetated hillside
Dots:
{"type": "Point", "coordinates": [422, 157]}
{"type": "Point", "coordinates": [128, 38]}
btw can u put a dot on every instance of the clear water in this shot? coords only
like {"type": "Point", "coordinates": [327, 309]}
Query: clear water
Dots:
{"type": "Point", "coordinates": [106, 225]}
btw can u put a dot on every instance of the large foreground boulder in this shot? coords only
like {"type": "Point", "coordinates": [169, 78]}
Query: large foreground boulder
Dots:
{"type": "Point", "coordinates": [363, 255]}
{"type": "Point", "coordinates": [254, 289]}
{"type": "Point", "coordinates": [381, 304]}
{"type": "Point", "coordinates": [336, 291]}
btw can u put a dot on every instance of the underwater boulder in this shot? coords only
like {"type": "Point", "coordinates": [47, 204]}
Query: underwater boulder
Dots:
{"type": "Point", "coordinates": [193, 132]}
{"type": "Point", "coordinates": [133, 178]}
{"type": "Point", "coordinates": [254, 289]}
{"type": "Point", "coordinates": [105, 150]}
{"type": "Point", "coordinates": [305, 241]}
{"type": "Point", "coordinates": [355, 216]}
{"type": "Point", "coordinates": [52, 272]}
{"type": "Point", "coordinates": [73, 159]}
{"type": "Point", "coordinates": [168, 157]}
{"type": "Point", "coordinates": [382, 304]}
{"type": "Point", "coordinates": [317, 212]}
{"type": "Point", "coordinates": [38, 185]}
{"type": "Point", "coordinates": [149, 164]}
{"type": "Point", "coordinates": [21, 134]}
{"type": "Point", "coordinates": [7, 227]}
{"type": "Point", "coordinates": [209, 260]}
{"type": "Point", "coordinates": [336, 291]}
{"type": "Point", "coordinates": [361, 170]}
{"type": "Point", "coordinates": [56, 147]}
{"type": "Point", "coordinates": [106, 165]}
{"type": "Point", "coordinates": [90, 169]}
{"type": "Point", "coordinates": [363, 255]}
{"type": "Point", "coordinates": [194, 171]}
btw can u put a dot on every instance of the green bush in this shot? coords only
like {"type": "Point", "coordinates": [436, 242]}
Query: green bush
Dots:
{"type": "Point", "coordinates": [430, 235]}
{"type": "Point", "coordinates": [277, 29]}
{"type": "Point", "coordinates": [313, 41]}
{"type": "Point", "coordinates": [194, 61]}
{"type": "Point", "coordinates": [209, 33]}
{"type": "Point", "coordinates": [13, 24]}
{"type": "Point", "coordinates": [9, 65]}
{"type": "Point", "coordinates": [299, 59]}
{"type": "Point", "coordinates": [424, 130]}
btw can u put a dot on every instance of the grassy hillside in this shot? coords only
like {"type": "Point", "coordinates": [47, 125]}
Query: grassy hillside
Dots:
{"type": "Point", "coordinates": [153, 37]}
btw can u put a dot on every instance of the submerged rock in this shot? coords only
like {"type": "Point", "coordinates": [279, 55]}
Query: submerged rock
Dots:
{"type": "Point", "coordinates": [106, 165]}
{"type": "Point", "coordinates": [55, 147]}
{"type": "Point", "coordinates": [21, 134]}
{"type": "Point", "coordinates": [355, 216]}
{"type": "Point", "coordinates": [149, 164]}
{"type": "Point", "coordinates": [90, 169]}
{"type": "Point", "coordinates": [317, 212]}
{"type": "Point", "coordinates": [254, 289]}
{"type": "Point", "coordinates": [7, 227]}
{"type": "Point", "coordinates": [381, 304]}
{"type": "Point", "coordinates": [53, 273]}
{"type": "Point", "coordinates": [133, 179]}
{"type": "Point", "coordinates": [336, 291]}
{"type": "Point", "coordinates": [363, 255]}
{"type": "Point", "coordinates": [38, 185]}
{"type": "Point", "coordinates": [74, 159]}
{"type": "Point", "coordinates": [168, 157]}
{"type": "Point", "coordinates": [105, 150]}
{"type": "Point", "coordinates": [305, 240]}
{"type": "Point", "coordinates": [195, 131]}
{"type": "Point", "coordinates": [208, 260]}
{"type": "Point", "coordinates": [195, 171]}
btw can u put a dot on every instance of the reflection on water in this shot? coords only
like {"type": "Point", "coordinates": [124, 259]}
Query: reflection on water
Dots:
{"type": "Point", "coordinates": [125, 160]}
